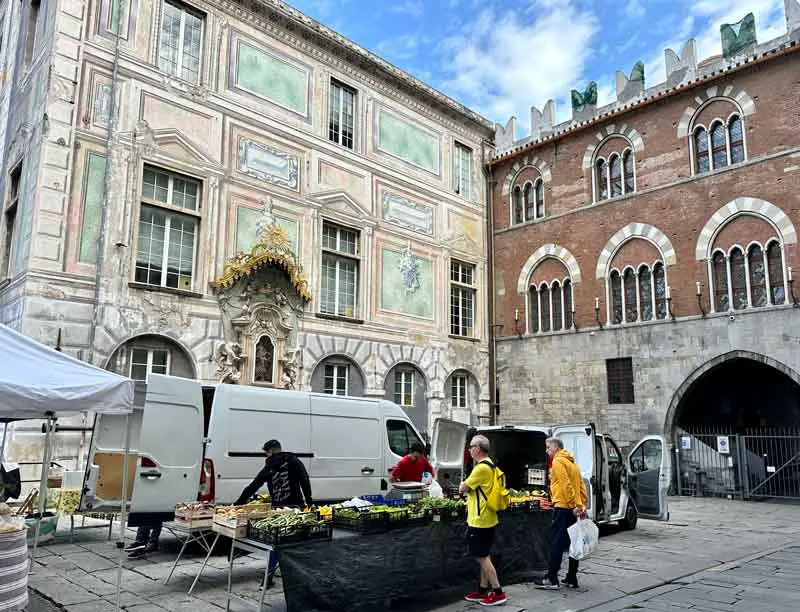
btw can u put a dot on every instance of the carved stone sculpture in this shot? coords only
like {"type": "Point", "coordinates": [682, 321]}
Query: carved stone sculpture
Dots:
{"type": "Point", "coordinates": [681, 69]}
{"type": "Point", "coordinates": [229, 360]}
{"type": "Point", "coordinates": [542, 122]}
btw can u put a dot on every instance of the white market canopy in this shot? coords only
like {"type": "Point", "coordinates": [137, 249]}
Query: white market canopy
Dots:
{"type": "Point", "coordinates": [36, 380]}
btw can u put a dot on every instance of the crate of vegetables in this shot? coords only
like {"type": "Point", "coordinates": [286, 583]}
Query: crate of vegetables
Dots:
{"type": "Point", "coordinates": [444, 510]}
{"type": "Point", "coordinates": [194, 511]}
{"type": "Point", "coordinates": [373, 519]}
{"type": "Point", "coordinates": [292, 527]}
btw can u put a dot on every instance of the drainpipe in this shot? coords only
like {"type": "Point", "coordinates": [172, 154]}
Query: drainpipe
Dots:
{"type": "Point", "coordinates": [113, 121]}
{"type": "Point", "coordinates": [493, 406]}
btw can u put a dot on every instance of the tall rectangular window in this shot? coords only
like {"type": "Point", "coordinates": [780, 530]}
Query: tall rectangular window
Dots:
{"type": "Point", "coordinates": [458, 391]}
{"type": "Point", "coordinates": [341, 114]}
{"type": "Point", "coordinates": [619, 373]}
{"type": "Point", "coordinates": [336, 379]}
{"type": "Point", "coordinates": [32, 30]}
{"type": "Point", "coordinates": [181, 41]}
{"type": "Point", "coordinates": [340, 262]}
{"type": "Point", "coordinates": [148, 361]}
{"type": "Point", "coordinates": [462, 299]}
{"type": "Point", "coordinates": [404, 387]}
{"type": "Point", "coordinates": [10, 218]}
{"type": "Point", "coordinates": [168, 226]}
{"type": "Point", "coordinates": [462, 170]}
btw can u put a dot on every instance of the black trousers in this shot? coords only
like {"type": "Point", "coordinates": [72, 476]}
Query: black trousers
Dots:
{"type": "Point", "coordinates": [149, 534]}
{"type": "Point", "coordinates": [559, 542]}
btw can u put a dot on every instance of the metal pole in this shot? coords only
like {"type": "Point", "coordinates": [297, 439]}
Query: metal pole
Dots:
{"type": "Point", "coordinates": [123, 517]}
{"type": "Point", "coordinates": [3, 445]}
{"type": "Point", "coordinates": [51, 419]}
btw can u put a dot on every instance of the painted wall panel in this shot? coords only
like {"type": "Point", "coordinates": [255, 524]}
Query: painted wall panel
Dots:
{"type": "Point", "coordinates": [406, 283]}
{"type": "Point", "coordinates": [268, 76]}
{"type": "Point", "coordinates": [409, 142]}
{"type": "Point", "coordinates": [247, 222]}
{"type": "Point", "coordinates": [92, 208]}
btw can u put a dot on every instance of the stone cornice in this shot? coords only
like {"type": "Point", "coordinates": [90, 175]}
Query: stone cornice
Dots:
{"type": "Point", "coordinates": [311, 37]}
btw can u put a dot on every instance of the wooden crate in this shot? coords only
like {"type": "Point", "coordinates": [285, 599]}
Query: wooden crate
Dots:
{"type": "Point", "coordinates": [186, 514]}
{"type": "Point", "coordinates": [195, 523]}
{"type": "Point", "coordinates": [229, 532]}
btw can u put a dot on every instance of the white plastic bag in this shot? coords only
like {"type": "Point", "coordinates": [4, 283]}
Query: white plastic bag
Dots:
{"type": "Point", "coordinates": [583, 539]}
{"type": "Point", "coordinates": [435, 490]}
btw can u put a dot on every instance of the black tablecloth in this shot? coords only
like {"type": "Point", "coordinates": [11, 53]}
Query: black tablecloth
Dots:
{"type": "Point", "coordinates": [369, 572]}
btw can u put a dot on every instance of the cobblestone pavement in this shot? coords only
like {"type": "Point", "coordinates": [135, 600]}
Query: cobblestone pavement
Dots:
{"type": "Point", "coordinates": [713, 556]}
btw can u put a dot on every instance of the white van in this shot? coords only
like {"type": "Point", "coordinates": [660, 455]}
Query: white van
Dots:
{"type": "Point", "coordinates": [189, 441]}
{"type": "Point", "coordinates": [619, 490]}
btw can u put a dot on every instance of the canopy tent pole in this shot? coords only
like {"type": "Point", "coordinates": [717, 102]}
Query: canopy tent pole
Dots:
{"type": "Point", "coordinates": [3, 445]}
{"type": "Point", "coordinates": [123, 517]}
{"type": "Point", "coordinates": [51, 420]}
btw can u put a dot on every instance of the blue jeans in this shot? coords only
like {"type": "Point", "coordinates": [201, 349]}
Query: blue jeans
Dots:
{"type": "Point", "coordinates": [273, 562]}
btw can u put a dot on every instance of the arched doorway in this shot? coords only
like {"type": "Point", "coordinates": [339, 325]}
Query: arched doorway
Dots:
{"type": "Point", "coordinates": [406, 386]}
{"type": "Point", "coordinates": [337, 375]}
{"type": "Point", "coordinates": [151, 354]}
{"type": "Point", "coordinates": [735, 423]}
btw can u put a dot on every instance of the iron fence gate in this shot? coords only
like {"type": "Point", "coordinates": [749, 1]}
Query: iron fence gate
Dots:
{"type": "Point", "coordinates": [757, 464]}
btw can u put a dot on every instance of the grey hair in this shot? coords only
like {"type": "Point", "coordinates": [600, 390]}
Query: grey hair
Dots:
{"type": "Point", "coordinates": [556, 441]}
{"type": "Point", "coordinates": [482, 442]}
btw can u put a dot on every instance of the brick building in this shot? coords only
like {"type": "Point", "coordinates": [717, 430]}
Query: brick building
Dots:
{"type": "Point", "coordinates": [643, 251]}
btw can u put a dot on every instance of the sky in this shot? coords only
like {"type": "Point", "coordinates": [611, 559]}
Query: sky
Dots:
{"type": "Point", "coordinates": [500, 57]}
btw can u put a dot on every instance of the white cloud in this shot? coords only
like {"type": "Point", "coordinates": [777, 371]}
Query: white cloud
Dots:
{"type": "Point", "coordinates": [634, 9]}
{"type": "Point", "coordinates": [415, 8]}
{"type": "Point", "coordinates": [505, 61]}
{"type": "Point", "coordinates": [400, 48]}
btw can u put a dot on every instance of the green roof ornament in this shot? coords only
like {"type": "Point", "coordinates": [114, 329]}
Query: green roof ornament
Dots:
{"type": "Point", "coordinates": [738, 37]}
{"type": "Point", "coordinates": [587, 98]}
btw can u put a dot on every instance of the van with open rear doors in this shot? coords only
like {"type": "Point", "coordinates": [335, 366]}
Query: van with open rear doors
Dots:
{"type": "Point", "coordinates": [620, 489]}
{"type": "Point", "coordinates": [189, 441]}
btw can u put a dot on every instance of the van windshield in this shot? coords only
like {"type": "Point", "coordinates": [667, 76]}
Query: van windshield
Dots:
{"type": "Point", "coordinates": [515, 451]}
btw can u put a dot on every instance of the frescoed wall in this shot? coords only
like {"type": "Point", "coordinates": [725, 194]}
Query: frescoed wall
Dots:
{"type": "Point", "coordinates": [406, 283]}
{"type": "Point", "coordinates": [406, 141]}
{"type": "Point", "coordinates": [247, 224]}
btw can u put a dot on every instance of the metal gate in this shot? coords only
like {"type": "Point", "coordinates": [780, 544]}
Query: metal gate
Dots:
{"type": "Point", "coordinates": [757, 464]}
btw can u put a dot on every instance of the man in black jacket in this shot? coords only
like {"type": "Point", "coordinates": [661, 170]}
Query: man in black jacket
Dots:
{"type": "Point", "coordinates": [285, 476]}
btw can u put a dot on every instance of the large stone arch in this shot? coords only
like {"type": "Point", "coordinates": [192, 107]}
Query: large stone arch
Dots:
{"type": "Point", "coordinates": [317, 348]}
{"type": "Point", "coordinates": [526, 162]}
{"type": "Point", "coordinates": [624, 130]}
{"type": "Point", "coordinates": [171, 341]}
{"type": "Point", "coordinates": [542, 253]}
{"type": "Point", "coordinates": [356, 385]}
{"type": "Point", "coordinates": [635, 230]}
{"type": "Point", "coordinates": [744, 206]}
{"type": "Point", "coordinates": [698, 373]}
{"type": "Point", "coordinates": [738, 96]}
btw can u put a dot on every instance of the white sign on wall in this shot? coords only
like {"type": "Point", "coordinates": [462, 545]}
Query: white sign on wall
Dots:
{"type": "Point", "coordinates": [723, 445]}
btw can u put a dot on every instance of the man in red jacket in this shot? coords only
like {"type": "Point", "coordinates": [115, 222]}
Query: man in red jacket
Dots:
{"type": "Point", "coordinates": [411, 467]}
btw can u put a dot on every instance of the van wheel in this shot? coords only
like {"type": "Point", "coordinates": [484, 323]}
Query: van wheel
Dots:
{"type": "Point", "coordinates": [631, 518]}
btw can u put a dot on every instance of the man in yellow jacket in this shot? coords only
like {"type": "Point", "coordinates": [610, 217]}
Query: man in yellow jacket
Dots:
{"type": "Point", "coordinates": [568, 495]}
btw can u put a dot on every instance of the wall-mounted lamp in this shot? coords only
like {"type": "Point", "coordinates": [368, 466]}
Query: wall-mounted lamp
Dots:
{"type": "Point", "coordinates": [790, 280]}
{"type": "Point", "coordinates": [700, 299]}
{"type": "Point", "coordinates": [668, 295]}
{"type": "Point", "coordinates": [516, 323]}
{"type": "Point", "coordinates": [597, 312]}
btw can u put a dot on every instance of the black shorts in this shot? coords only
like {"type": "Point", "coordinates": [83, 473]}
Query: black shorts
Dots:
{"type": "Point", "coordinates": [479, 541]}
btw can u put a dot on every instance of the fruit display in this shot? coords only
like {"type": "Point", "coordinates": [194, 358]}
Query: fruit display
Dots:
{"type": "Point", "coordinates": [326, 513]}
{"type": "Point", "coordinates": [237, 516]}
{"type": "Point", "coordinates": [194, 511]}
{"type": "Point", "coordinates": [69, 501]}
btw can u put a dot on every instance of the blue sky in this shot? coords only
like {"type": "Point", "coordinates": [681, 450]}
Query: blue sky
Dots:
{"type": "Point", "coordinates": [499, 57]}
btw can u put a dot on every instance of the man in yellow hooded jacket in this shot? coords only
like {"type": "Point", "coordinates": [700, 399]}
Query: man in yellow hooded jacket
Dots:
{"type": "Point", "coordinates": [569, 498]}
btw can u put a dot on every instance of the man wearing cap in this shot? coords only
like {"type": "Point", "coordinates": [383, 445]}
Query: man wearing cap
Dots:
{"type": "Point", "coordinates": [285, 476]}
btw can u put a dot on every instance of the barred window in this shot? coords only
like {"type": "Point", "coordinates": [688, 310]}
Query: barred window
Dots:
{"type": "Point", "coordinates": [619, 375]}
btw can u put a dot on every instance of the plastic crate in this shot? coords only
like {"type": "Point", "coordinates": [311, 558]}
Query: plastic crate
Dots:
{"type": "Point", "coordinates": [364, 523]}
{"type": "Point", "coordinates": [449, 515]}
{"type": "Point", "coordinates": [395, 503]}
{"type": "Point", "coordinates": [375, 500]}
{"type": "Point", "coordinates": [284, 536]}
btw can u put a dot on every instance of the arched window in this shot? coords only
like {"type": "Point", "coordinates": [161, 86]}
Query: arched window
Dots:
{"type": "Point", "coordinates": [719, 267]}
{"type": "Point", "coordinates": [719, 145]}
{"type": "Point", "coordinates": [631, 310]}
{"type": "Point", "coordinates": [264, 361]}
{"type": "Point", "coordinates": [616, 176]}
{"type": "Point", "coordinates": [660, 290]}
{"type": "Point", "coordinates": [758, 280]}
{"type": "Point", "coordinates": [544, 306]}
{"type": "Point", "coordinates": [558, 319]}
{"type": "Point", "coordinates": [539, 199]}
{"type": "Point", "coordinates": [530, 204]}
{"type": "Point", "coordinates": [736, 138]}
{"type": "Point", "coordinates": [568, 318]}
{"type": "Point", "coordinates": [646, 293]}
{"type": "Point", "coordinates": [519, 209]}
{"type": "Point", "coordinates": [533, 324]}
{"type": "Point", "coordinates": [738, 279]}
{"type": "Point", "coordinates": [627, 168]}
{"type": "Point", "coordinates": [616, 297]}
{"type": "Point", "coordinates": [777, 290]}
{"type": "Point", "coordinates": [701, 159]}
{"type": "Point", "coordinates": [601, 176]}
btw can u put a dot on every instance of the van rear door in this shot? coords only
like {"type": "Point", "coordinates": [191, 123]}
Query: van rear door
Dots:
{"type": "Point", "coordinates": [649, 475]}
{"type": "Point", "coordinates": [447, 451]}
{"type": "Point", "coordinates": [170, 446]}
{"type": "Point", "coordinates": [580, 441]}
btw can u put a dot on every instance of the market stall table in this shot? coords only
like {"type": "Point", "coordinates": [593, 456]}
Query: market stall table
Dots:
{"type": "Point", "coordinates": [191, 532]}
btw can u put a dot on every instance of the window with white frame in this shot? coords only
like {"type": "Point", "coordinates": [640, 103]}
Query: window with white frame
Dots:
{"type": "Point", "coordinates": [340, 264]}
{"type": "Point", "coordinates": [169, 220]}
{"type": "Point", "coordinates": [341, 114]}
{"type": "Point", "coordinates": [528, 201]}
{"type": "Point", "coordinates": [719, 146]}
{"type": "Point", "coordinates": [336, 379]}
{"type": "Point", "coordinates": [146, 361]}
{"type": "Point", "coordinates": [10, 218]}
{"type": "Point", "coordinates": [637, 294]}
{"type": "Point", "coordinates": [748, 278]}
{"type": "Point", "coordinates": [404, 387]}
{"type": "Point", "coordinates": [32, 31]}
{"type": "Point", "coordinates": [458, 390]}
{"type": "Point", "coordinates": [550, 306]}
{"type": "Point", "coordinates": [181, 41]}
{"type": "Point", "coordinates": [462, 299]}
{"type": "Point", "coordinates": [614, 175]}
{"type": "Point", "coordinates": [462, 170]}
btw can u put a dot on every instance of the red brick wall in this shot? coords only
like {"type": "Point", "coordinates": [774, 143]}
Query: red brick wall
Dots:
{"type": "Point", "coordinates": [679, 210]}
